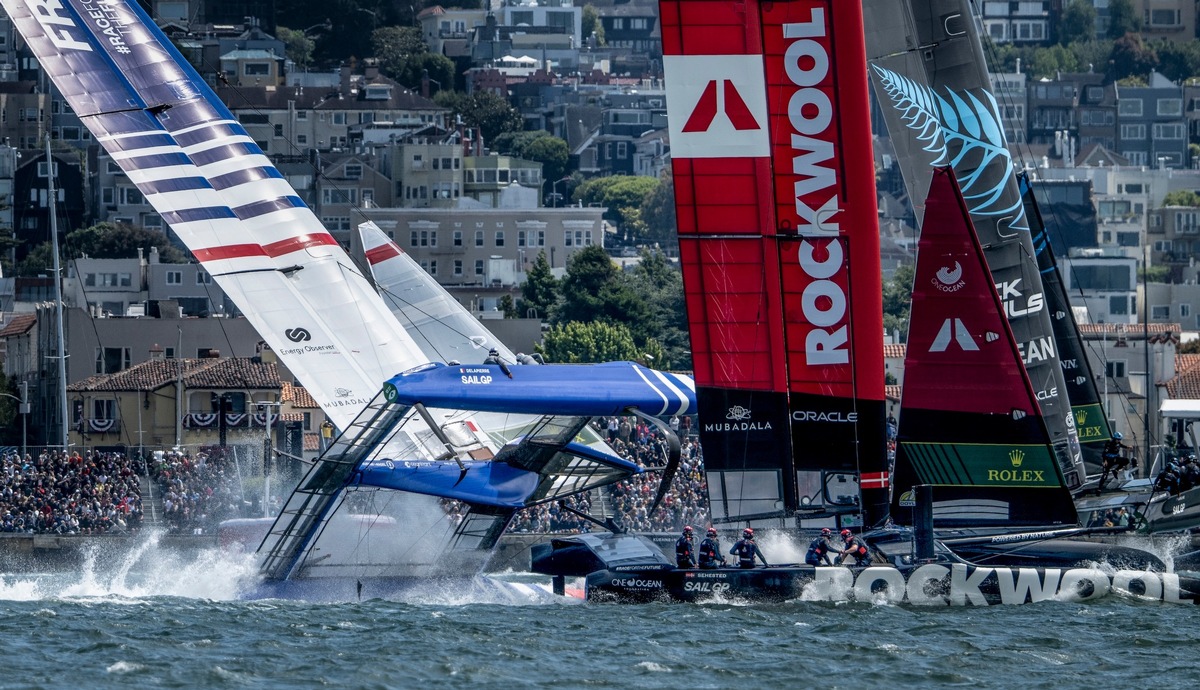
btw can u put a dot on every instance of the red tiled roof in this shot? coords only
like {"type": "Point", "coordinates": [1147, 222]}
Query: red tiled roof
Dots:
{"type": "Point", "coordinates": [298, 396]}
{"type": "Point", "coordinates": [1128, 329]}
{"type": "Point", "coordinates": [1185, 362]}
{"type": "Point", "coordinates": [1185, 385]}
{"type": "Point", "coordinates": [891, 351]}
{"type": "Point", "coordinates": [312, 441]}
{"type": "Point", "coordinates": [19, 324]}
{"type": "Point", "coordinates": [231, 372]}
{"type": "Point", "coordinates": [892, 392]}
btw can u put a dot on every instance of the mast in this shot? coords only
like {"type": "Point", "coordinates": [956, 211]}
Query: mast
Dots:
{"type": "Point", "coordinates": [779, 243]}
{"type": "Point", "coordinates": [58, 299]}
{"type": "Point", "coordinates": [931, 76]}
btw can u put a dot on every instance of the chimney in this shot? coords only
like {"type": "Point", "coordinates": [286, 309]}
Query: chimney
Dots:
{"type": "Point", "coordinates": [157, 352]}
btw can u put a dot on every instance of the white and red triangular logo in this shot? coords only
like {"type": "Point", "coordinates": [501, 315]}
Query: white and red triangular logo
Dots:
{"type": "Point", "coordinates": [717, 106]}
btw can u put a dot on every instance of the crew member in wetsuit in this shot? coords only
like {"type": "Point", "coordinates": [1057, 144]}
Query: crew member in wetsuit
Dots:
{"type": "Point", "coordinates": [685, 551]}
{"type": "Point", "coordinates": [1113, 460]}
{"type": "Point", "coordinates": [856, 548]}
{"type": "Point", "coordinates": [746, 550]}
{"type": "Point", "coordinates": [710, 551]}
{"type": "Point", "coordinates": [494, 358]}
{"type": "Point", "coordinates": [820, 548]}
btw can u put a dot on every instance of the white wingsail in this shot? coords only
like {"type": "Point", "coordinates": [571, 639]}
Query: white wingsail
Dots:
{"type": "Point", "coordinates": [203, 173]}
{"type": "Point", "coordinates": [439, 325]}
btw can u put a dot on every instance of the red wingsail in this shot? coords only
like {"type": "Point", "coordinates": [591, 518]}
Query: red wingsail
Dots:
{"type": "Point", "coordinates": [779, 241]}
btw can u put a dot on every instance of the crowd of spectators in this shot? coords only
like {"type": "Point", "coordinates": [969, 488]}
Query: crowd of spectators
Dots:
{"type": "Point", "coordinates": [54, 492]}
{"type": "Point", "coordinates": [197, 493]}
{"type": "Point", "coordinates": [685, 502]}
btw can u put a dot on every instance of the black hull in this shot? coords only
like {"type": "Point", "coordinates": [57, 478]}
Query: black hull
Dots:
{"type": "Point", "coordinates": [936, 584]}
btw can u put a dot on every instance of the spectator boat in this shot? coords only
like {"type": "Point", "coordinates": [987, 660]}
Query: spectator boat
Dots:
{"type": "Point", "coordinates": [453, 482]}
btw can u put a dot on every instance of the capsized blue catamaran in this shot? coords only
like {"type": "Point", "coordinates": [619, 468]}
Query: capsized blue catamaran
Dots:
{"type": "Point", "coordinates": [349, 521]}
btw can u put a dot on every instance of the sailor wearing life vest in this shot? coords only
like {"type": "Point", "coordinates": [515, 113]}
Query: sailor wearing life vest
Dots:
{"type": "Point", "coordinates": [710, 551]}
{"type": "Point", "coordinates": [820, 548]}
{"type": "Point", "coordinates": [854, 548]}
{"type": "Point", "coordinates": [746, 550]}
{"type": "Point", "coordinates": [685, 552]}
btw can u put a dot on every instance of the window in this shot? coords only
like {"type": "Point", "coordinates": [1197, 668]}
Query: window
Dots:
{"type": "Point", "coordinates": [174, 277]}
{"type": "Point", "coordinates": [1118, 305]}
{"type": "Point", "coordinates": [203, 278]}
{"type": "Point", "coordinates": [499, 238]}
{"type": "Point", "coordinates": [1170, 107]}
{"type": "Point", "coordinates": [458, 268]}
{"type": "Point", "coordinates": [458, 238]}
{"type": "Point", "coordinates": [1160, 312]}
{"type": "Point", "coordinates": [1133, 131]}
{"type": "Point", "coordinates": [418, 162]}
{"type": "Point", "coordinates": [1185, 310]}
{"type": "Point", "coordinates": [339, 118]}
{"type": "Point", "coordinates": [256, 69]}
{"type": "Point", "coordinates": [520, 238]}
{"type": "Point", "coordinates": [354, 171]}
{"type": "Point", "coordinates": [1115, 369]}
{"type": "Point", "coordinates": [339, 196]}
{"type": "Point", "coordinates": [1129, 106]}
{"type": "Point", "coordinates": [478, 238]}
{"type": "Point", "coordinates": [278, 131]}
{"type": "Point", "coordinates": [432, 268]}
{"type": "Point", "coordinates": [104, 409]}
{"type": "Point", "coordinates": [110, 360]}
{"type": "Point", "coordinates": [478, 267]}
{"type": "Point", "coordinates": [1168, 131]}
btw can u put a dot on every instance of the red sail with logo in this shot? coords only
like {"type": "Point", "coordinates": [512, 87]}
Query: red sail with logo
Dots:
{"type": "Point", "coordinates": [970, 423]}
{"type": "Point", "coordinates": [779, 242]}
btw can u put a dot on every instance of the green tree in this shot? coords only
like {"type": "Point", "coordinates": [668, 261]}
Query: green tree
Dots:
{"type": "Point", "coordinates": [1154, 274]}
{"type": "Point", "coordinates": [397, 42]}
{"type": "Point", "coordinates": [1177, 60]}
{"type": "Point", "coordinates": [1191, 347]}
{"type": "Point", "coordinates": [658, 213]}
{"type": "Point", "coordinates": [540, 290]}
{"type": "Point", "coordinates": [509, 306]}
{"type": "Point", "coordinates": [39, 261]}
{"type": "Point", "coordinates": [616, 193]}
{"type": "Point", "coordinates": [661, 284]}
{"type": "Point", "coordinates": [1092, 55]}
{"type": "Point", "coordinates": [594, 291]}
{"type": "Point", "coordinates": [1078, 22]}
{"type": "Point", "coordinates": [1048, 62]}
{"type": "Point", "coordinates": [1122, 18]}
{"type": "Point", "coordinates": [541, 147]}
{"type": "Point", "coordinates": [1182, 197]}
{"type": "Point", "coordinates": [592, 24]}
{"type": "Point", "coordinates": [1130, 58]}
{"type": "Point", "coordinates": [120, 241]}
{"type": "Point", "coordinates": [579, 342]}
{"type": "Point", "coordinates": [483, 110]}
{"type": "Point", "coordinates": [897, 300]}
{"type": "Point", "coordinates": [296, 45]}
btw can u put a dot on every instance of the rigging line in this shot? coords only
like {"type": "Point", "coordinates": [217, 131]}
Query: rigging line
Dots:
{"type": "Point", "coordinates": [413, 305]}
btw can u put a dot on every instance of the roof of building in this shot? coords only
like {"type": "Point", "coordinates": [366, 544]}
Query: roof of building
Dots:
{"type": "Point", "coordinates": [1128, 329]}
{"type": "Point", "coordinates": [1185, 385]}
{"type": "Point", "coordinates": [298, 396]}
{"type": "Point", "coordinates": [229, 373]}
{"type": "Point", "coordinates": [895, 351]}
{"type": "Point", "coordinates": [891, 392]}
{"type": "Point", "coordinates": [19, 324]}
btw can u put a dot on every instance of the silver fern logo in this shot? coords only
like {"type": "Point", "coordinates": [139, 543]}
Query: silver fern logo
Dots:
{"type": "Point", "coordinates": [961, 130]}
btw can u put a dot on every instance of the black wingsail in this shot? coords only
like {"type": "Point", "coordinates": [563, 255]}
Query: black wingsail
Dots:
{"type": "Point", "coordinates": [1090, 421]}
{"type": "Point", "coordinates": [929, 72]}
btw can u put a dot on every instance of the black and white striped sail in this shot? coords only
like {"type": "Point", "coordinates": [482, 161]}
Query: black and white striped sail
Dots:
{"type": "Point", "coordinates": [209, 181]}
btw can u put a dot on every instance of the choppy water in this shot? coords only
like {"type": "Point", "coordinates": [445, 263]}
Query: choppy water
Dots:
{"type": "Point", "coordinates": [159, 621]}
